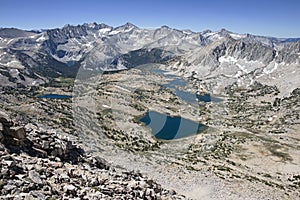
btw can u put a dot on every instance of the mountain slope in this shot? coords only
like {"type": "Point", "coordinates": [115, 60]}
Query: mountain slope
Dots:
{"type": "Point", "coordinates": [61, 51]}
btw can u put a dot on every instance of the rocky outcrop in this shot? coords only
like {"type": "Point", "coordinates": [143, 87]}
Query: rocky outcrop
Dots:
{"type": "Point", "coordinates": [251, 51]}
{"type": "Point", "coordinates": [39, 164]}
{"type": "Point", "coordinates": [10, 132]}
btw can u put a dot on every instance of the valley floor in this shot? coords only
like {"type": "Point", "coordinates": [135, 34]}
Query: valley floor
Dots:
{"type": "Point", "coordinates": [251, 149]}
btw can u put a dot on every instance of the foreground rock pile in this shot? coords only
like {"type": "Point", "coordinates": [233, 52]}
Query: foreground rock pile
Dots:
{"type": "Point", "coordinates": [39, 164]}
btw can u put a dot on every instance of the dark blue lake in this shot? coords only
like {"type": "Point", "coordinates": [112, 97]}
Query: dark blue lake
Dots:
{"type": "Point", "coordinates": [54, 96]}
{"type": "Point", "coordinates": [71, 63]}
{"type": "Point", "coordinates": [167, 127]}
{"type": "Point", "coordinates": [207, 98]}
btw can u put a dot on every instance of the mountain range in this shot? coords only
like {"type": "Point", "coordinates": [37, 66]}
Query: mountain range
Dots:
{"type": "Point", "coordinates": [33, 57]}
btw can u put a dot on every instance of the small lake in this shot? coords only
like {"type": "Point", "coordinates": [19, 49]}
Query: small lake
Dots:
{"type": "Point", "coordinates": [54, 96]}
{"type": "Point", "coordinates": [208, 98]}
{"type": "Point", "coordinates": [71, 63]}
{"type": "Point", "coordinates": [177, 83]}
{"type": "Point", "coordinates": [167, 127]}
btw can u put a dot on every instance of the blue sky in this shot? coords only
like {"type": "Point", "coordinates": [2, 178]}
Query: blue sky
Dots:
{"type": "Point", "coordinates": [279, 18]}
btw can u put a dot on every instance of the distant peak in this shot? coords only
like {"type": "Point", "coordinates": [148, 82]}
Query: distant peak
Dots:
{"type": "Point", "coordinates": [225, 33]}
{"type": "Point", "coordinates": [129, 25]}
{"type": "Point", "coordinates": [223, 30]}
{"type": "Point", "coordinates": [206, 31]}
{"type": "Point", "coordinates": [92, 24]}
{"type": "Point", "coordinates": [165, 27]}
{"type": "Point", "coordinates": [67, 25]}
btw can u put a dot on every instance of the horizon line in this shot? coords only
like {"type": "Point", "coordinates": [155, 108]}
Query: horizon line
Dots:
{"type": "Point", "coordinates": [151, 27]}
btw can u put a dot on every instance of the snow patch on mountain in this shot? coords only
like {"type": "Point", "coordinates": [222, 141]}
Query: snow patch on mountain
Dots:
{"type": "Point", "coordinates": [228, 59]}
{"type": "Point", "coordinates": [237, 36]}
{"type": "Point", "coordinates": [270, 68]}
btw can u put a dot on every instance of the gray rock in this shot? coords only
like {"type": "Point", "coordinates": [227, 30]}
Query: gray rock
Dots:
{"type": "Point", "coordinates": [1, 135]}
{"type": "Point", "coordinates": [158, 188]}
{"type": "Point", "coordinates": [57, 151]}
{"type": "Point", "coordinates": [2, 148]}
{"type": "Point", "coordinates": [20, 176]}
{"type": "Point", "coordinates": [10, 163]}
{"type": "Point", "coordinates": [9, 187]}
{"type": "Point", "coordinates": [22, 196]}
{"type": "Point", "coordinates": [29, 166]}
{"type": "Point", "coordinates": [132, 184]}
{"type": "Point", "coordinates": [4, 172]}
{"type": "Point", "coordinates": [46, 145]}
{"type": "Point", "coordinates": [99, 162]}
{"type": "Point", "coordinates": [38, 194]}
{"type": "Point", "coordinates": [143, 184]}
{"type": "Point", "coordinates": [35, 177]}
{"type": "Point", "coordinates": [5, 119]}
{"type": "Point", "coordinates": [57, 165]}
{"type": "Point", "coordinates": [29, 127]}
{"type": "Point", "coordinates": [17, 132]}
{"type": "Point", "coordinates": [158, 197]}
{"type": "Point", "coordinates": [69, 188]}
